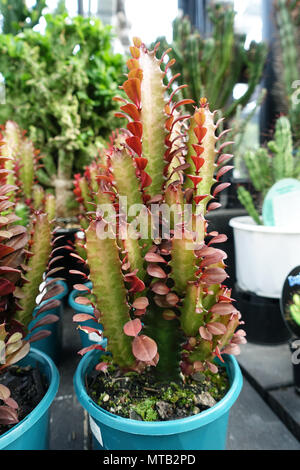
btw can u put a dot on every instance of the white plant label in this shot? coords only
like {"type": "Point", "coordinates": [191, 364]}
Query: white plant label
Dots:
{"type": "Point", "coordinates": [96, 431]}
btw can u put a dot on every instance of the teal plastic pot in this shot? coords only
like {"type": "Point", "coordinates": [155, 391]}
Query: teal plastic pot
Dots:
{"type": "Point", "coordinates": [52, 344]}
{"type": "Point", "coordinates": [205, 431]}
{"type": "Point", "coordinates": [32, 433]}
{"type": "Point", "coordinates": [87, 339]}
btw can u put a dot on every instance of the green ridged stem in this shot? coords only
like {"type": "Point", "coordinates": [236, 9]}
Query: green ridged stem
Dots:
{"type": "Point", "coordinates": [246, 199]}
{"type": "Point", "coordinates": [190, 320]}
{"type": "Point", "coordinates": [37, 264]}
{"type": "Point", "coordinates": [282, 147]}
{"type": "Point", "coordinates": [108, 287]}
{"type": "Point", "coordinates": [169, 339]}
{"type": "Point", "coordinates": [153, 119]}
{"type": "Point", "coordinates": [183, 264]}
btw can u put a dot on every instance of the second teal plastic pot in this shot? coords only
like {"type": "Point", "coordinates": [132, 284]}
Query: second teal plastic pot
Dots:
{"type": "Point", "coordinates": [91, 338]}
{"type": "Point", "coordinates": [32, 433]}
{"type": "Point", "coordinates": [52, 344]}
{"type": "Point", "coordinates": [204, 431]}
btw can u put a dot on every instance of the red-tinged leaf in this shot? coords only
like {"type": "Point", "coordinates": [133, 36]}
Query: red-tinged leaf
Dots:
{"type": "Point", "coordinates": [6, 188]}
{"type": "Point", "coordinates": [198, 366]}
{"type": "Point", "coordinates": [90, 348]}
{"type": "Point", "coordinates": [133, 327]}
{"type": "Point", "coordinates": [51, 304]}
{"type": "Point", "coordinates": [232, 349]}
{"type": "Point", "coordinates": [198, 149]}
{"type": "Point", "coordinates": [136, 128]}
{"type": "Point", "coordinates": [172, 299]}
{"type": "Point", "coordinates": [12, 403]}
{"type": "Point", "coordinates": [141, 163]}
{"type": "Point", "coordinates": [220, 188]}
{"type": "Point", "coordinates": [8, 269]}
{"type": "Point", "coordinates": [169, 315]}
{"type": "Point", "coordinates": [117, 115]}
{"type": "Point", "coordinates": [5, 250]}
{"type": "Point", "coordinates": [132, 88]}
{"type": "Point", "coordinates": [205, 334]}
{"type": "Point", "coordinates": [46, 320]}
{"type": "Point", "coordinates": [6, 287]}
{"type": "Point", "coordinates": [79, 273]}
{"type": "Point", "coordinates": [224, 158]}
{"type": "Point", "coordinates": [55, 290]}
{"type": "Point", "coordinates": [214, 276]}
{"type": "Point", "coordinates": [140, 303]}
{"type": "Point", "coordinates": [218, 239]}
{"type": "Point", "coordinates": [53, 271]}
{"type": "Point", "coordinates": [39, 335]}
{"type": "Point", "coordinates": [216, 257]}
{"type": "Point", "coordinates": [75, 255]}
{"type": "Point", "coordinates": [223, 308]}
{"type": "Point", "coordinates": [198, 162]}
{"type": "Point", "coordinates": [225, 145]}
{"type": "Point", "coordinates": [135, 52]}
{"type": "Point", "coordinates": [132, 111]}
{"type": "Point", "coordinates": [240, 333]}
{"type": "Point", "coordinates": [136, 284]}
{"type": "Point", "coordinates": [137, 41]}
{"type": "Point", "coordinates": [200, 133]}
{"type": "Point", "coordinates": [8, 415]}
{"type": "Point", "coordinates": [4, 392]}
{"type": "Point", "coordinates": [80, 317]}
{"type": "Point", "coordinates": [81, 287]}
{"type": "Point", "coordinates": [213, 206]}
{"type": "Point", "coordinates": [146, 179]}
{"type": "Point", "coordinates": [133, 64]}
{"type": "Point", "coordinates": [195, 180]}
{"type": "Point", "coordinates": [199, 117]}
{"type": "Point", "coordinates": [144, 348]}
{"type": "Point", "coordinates": [154, 258]}
{"type": "Point", "coordinates": [102, 366]}
{"type": "Point", "coordinates": [88, 329]}
{"type": "Point", "coordinates": [223, 170]}
{"type": "Point", "coordinates": [156, 271]}
{"type": "Point", "coordinates": [216, 328]}
{"type": "Point", "coordinates": [136, 73]}
{"type": "Point", "coordinates": [160, 288]}
{"type": "Point", "coordinates": [212, 367]}
{"type": "Point", "coordinates": [238, 339]}
{"type": "Point", "coordinates": [182, 103]}
{"type": "Point", "coordinates": [139, 313]}
{"type": "Point", "coordinates": [135, 144]}
{"type": "Point", "coordinates": [82, 300]}
{"type": "Point", "coordinates": [198, 199]}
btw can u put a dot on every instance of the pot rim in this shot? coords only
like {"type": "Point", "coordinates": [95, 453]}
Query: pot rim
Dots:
{"type": "Point", "coordinates": [246, 223]}
{"type": "Point", "coordinates": [157, 428]}
{"type": "Point", "coordinates": [29, 421]}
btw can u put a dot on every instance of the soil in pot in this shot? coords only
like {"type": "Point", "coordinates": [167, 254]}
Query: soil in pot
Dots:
{"type": "Point", "coordinates": [27, 386]}
{"type": "Point", "coordinates": [142, 397]}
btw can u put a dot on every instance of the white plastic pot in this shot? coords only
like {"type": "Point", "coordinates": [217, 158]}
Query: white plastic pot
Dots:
{"type": "Point", "coordinates": [264, 256]}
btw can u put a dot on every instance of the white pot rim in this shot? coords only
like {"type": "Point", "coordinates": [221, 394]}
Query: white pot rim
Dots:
{"type": "Point", "coordinates": [248, 224]}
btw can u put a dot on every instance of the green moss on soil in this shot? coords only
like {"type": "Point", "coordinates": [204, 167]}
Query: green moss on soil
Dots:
{"type": "Point", "coordinates": [139, 396]}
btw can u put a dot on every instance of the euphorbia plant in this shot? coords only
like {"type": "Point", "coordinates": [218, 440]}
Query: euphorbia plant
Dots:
{"type": "Point", "coordinates": [24, 257]}
{"type": "Point", "coordinates": [25, 161]}
{"type": "Point", "coordinates": [160, 298]}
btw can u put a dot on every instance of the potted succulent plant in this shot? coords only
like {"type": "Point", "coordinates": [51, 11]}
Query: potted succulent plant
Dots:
{"type": "Point", "coordinates": [166, 314]}
{"type": "Point", "coordinates": [258, 240]}
{"type": "Point", "coordinates": [24, 416]}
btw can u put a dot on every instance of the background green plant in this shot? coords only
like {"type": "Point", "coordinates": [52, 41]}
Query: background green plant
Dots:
{"type": "Point", "coordinates": [269, 164]}
{"type": "Point", "coordinates": [211, 66]}
{"type": "Point", "coordinates": [59, 86]}
{"type": "Point", "coordinates": [16, 16]}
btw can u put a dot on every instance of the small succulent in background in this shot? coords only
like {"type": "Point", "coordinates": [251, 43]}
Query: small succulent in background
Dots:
{"type": "Point", "coordinates": [25, 161]}
{"type": "Point", "coordinates": [269, 164]}
{"type": "Point", "coordinates": [161, 299]}
{"type": "Point", "coordinates": [24, 258]}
